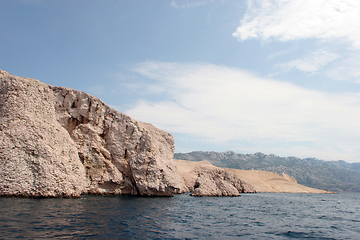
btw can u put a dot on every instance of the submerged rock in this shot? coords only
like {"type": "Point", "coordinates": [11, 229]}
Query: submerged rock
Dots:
{"type": "Point", "coordinates": [56, 142]}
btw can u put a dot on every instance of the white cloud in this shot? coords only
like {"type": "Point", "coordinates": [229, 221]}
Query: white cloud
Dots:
{"type": "Point", "coordinates": [220, 104]}
{"type": "Point", "coordinates": [280, 53]}
{"type": "Point", "coordinates": [348, 69]}
{"type": "Point", "coordinates": [333, 24]}
{"type": "Point", "coordinates": [311, 63]}
{"type": "Point", "coordinates": [298, 19]}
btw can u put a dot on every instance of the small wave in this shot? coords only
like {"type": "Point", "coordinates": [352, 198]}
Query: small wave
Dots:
{"type": "Point", "coordinates": [303, 235]}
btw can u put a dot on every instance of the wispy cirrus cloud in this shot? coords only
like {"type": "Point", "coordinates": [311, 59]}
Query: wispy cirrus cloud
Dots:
{"type": "Point", "coordinates": [311, 63]}
{"type": "Point", "coordinates": [224, 105]}
{"type": "Point", "coordinates": [348, 69]}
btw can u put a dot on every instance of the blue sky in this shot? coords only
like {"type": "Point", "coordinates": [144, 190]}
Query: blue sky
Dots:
{"type": "Point", "coordinates": [279, 77]}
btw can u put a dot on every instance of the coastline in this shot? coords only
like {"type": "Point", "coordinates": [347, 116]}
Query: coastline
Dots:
{"type": "Point", "coordinates": [261, 181]}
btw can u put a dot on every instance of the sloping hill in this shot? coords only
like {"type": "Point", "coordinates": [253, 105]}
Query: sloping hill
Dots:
{"type": "Point", "coordinates": [335, 176]}
{"type": "Point", "coordinates": [251, 180]}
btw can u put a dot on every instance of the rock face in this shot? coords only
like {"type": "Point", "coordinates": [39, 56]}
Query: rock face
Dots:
{"type": "Point", "coordinates": [204, 179]}
{"type": "Point", "coordinates": [120, 154]}
{"type": "Point", "coordinates": [37, 156]}
{"type": "Point", "coordinates": [57, 142]}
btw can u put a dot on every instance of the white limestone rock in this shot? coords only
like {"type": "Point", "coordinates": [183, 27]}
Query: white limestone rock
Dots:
{"type": "Point", "coordinates": [57, 142]}
{"type": "Point", "coordinates": [216, 183]}
{"type": "Point", "coordinates": [120, 155]}
{"type": "Point", "coordinates": [37, 156]}
{"type": "Point", "coordinates": [204, 179]}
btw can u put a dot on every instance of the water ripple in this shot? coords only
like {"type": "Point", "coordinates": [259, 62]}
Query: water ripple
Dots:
{"type": "Point", "coordinates": [251, 216]}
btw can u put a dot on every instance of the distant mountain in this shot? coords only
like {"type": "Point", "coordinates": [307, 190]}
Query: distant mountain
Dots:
{"type": "Point", "coordinates": [332, 175]}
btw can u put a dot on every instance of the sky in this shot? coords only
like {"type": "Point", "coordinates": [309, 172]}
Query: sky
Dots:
{"type": "Point", "coordinates": [273, 76]}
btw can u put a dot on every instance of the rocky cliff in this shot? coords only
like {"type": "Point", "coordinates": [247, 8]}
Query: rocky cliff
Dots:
{"type": "Point", "coordinates": [60, 142]}
{"type": "Point", "coordinates": [37, 156]}
{"type": "Point", "coordinates": [56, 141]}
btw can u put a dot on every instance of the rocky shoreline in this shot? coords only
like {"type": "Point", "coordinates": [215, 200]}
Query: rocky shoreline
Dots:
{"type": "Point", "coordinates": [60, 142]}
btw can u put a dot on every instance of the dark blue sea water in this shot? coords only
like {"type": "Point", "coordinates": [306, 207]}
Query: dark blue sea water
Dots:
{"type": "Point", "coordinates": [251, 216]}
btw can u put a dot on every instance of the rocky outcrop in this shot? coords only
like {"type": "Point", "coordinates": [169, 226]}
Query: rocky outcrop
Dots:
{"type": "Point", "coordinates": [204, 179]}
{"type": "Point", "coordinates": [37, 156]}
{"type": "Point", "coordinates": [57, 142]}
{"type": "Point", "coordinates": [120, 155]}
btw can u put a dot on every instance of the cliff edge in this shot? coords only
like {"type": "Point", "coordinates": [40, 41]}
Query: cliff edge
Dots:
{"type": "Point", "coordinates": [60, 142]}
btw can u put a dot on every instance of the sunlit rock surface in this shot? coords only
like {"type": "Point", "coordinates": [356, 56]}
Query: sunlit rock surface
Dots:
{"type": "Point", "coordinates": [56, 142]}
{"type": "Point", "coordinates": [120, 155]}
{"type": "Point", "coordinates": [37, 156]}
{"type": "Point", "coordinates": [204, 179]}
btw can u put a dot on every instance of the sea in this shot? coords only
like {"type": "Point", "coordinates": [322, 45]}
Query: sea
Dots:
{"type": "Point", "coordinates": [250, 216]}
